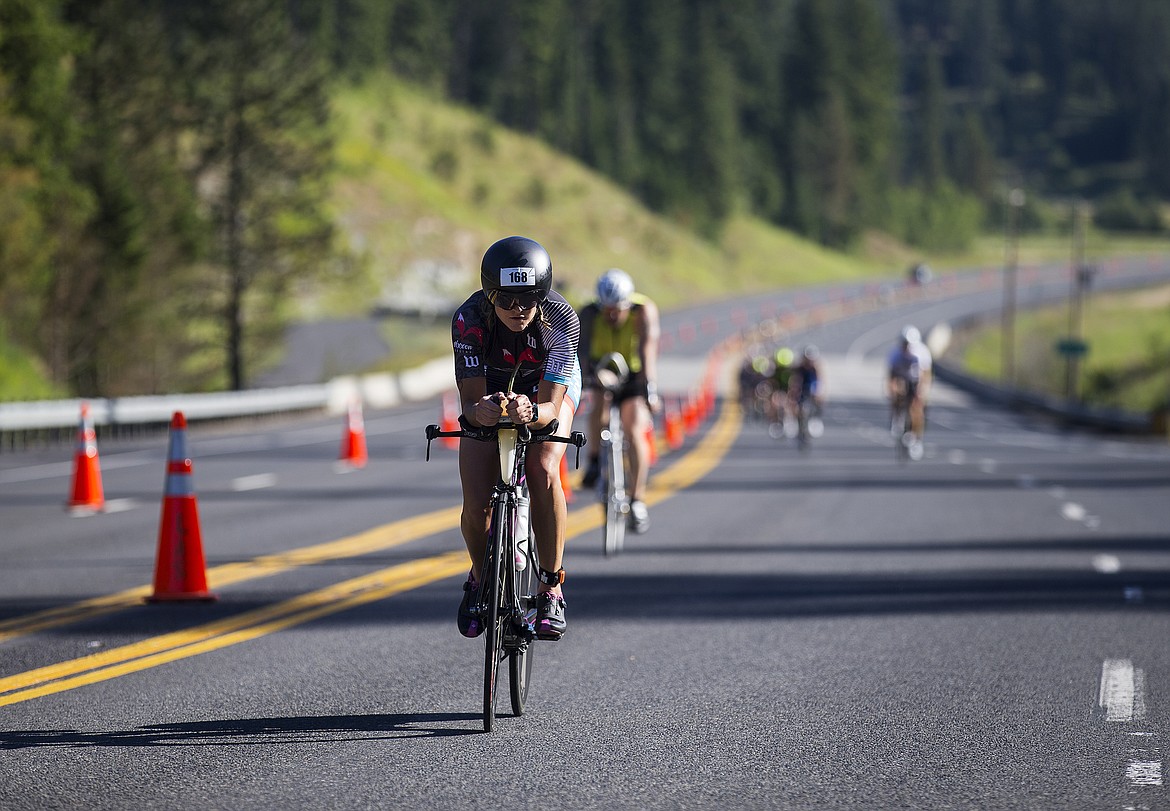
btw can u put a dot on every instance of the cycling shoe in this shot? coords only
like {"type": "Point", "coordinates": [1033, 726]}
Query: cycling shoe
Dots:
{"type": "Point", "coordinates": [470, 624]}
{"type": "Point", "coordinates": [550, 616]}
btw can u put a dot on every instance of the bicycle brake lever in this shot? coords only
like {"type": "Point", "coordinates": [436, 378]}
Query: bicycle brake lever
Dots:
{"type": "Point", "coordinates": [432, 432]}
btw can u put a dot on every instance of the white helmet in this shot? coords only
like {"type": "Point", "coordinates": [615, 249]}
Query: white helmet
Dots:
{"type": "Point", "coordinates": [614, 288]}
{"type": "Point", "coordinates": [910, 334]}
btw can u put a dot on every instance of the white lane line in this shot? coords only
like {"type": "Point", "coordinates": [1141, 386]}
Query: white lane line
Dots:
{"type": "Point", "coordinates": [1144, 772]}
{"type": "Point", "coordinates": [1107, 564]}
{"type": "Point", "coordinates": [1122, 691]}
{"type": "Point", "coordinates": [257, 482]}
{"type": "Point", "coordinates": [119, 505]}
{"type": "Point", "coordinates": [1073, 511]}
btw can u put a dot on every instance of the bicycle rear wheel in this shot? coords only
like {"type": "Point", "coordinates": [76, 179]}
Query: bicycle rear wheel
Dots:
{"type": "Point", "coordinates": [493, 573]}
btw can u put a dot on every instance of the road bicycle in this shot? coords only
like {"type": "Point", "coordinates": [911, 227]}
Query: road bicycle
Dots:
{"type": "Point", "coordinates": [809, 425]}
{"type": "Point", "coordinates": [906, 445]}
{"type": "Point", "coordinates": [506, 603]}
{"type": "Point", "coordinates": [612, 374]}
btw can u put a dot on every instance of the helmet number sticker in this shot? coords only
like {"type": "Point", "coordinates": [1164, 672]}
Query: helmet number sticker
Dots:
{"type": "Point", "coordinates": [517, 277]}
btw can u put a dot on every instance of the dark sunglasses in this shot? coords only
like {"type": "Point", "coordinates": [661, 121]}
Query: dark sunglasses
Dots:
{"type": "Point", "coordinates": [510, 301]}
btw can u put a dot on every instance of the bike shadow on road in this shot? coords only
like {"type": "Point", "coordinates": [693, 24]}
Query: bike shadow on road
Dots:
{"type": "Point", "coordinates": [258, 731]}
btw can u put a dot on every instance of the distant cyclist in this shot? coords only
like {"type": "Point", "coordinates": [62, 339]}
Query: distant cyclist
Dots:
{"type": "Point", "coordinates": [909, 376]}
{"type": "Point", "coordinates": [621, 320]}
{"type": "Point", "coordinates": [805, 380]}
{"type": "Point", "coordinates": [781, 382]}
{"type": "Point", "coordinates": [516, 327]}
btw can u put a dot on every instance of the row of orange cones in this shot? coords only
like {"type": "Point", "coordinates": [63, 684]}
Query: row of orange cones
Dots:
{"type": "Point", "coordinates": [180, 568]}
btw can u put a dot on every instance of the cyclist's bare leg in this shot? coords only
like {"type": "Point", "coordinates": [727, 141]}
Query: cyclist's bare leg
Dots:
{"type": "Point", "coordinates": [549, 512]}
{"type": "Point", "coordinates": [635, 423]}
{"type": "Point", "coordinates": [478, 468]}
{"type": "Point", "coordinates": [917, 417]}
{"type": "Point", "coordinates": [599, 408]}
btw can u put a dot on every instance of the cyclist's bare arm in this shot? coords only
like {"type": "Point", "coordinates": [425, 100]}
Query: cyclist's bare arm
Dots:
{"type": "Point", "coordinates": [587, 318]}
{"type": "Point", "coordinates": [479, 407]}
{"type": "Point", "coordinates": [549, 398]}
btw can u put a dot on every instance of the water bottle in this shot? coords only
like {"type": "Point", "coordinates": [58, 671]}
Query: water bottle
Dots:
{"type": "Point", "coordinates": [521, 530]}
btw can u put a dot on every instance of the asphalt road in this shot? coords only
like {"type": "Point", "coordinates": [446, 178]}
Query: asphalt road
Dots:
{"type": "Point", "coordinates": [985, 628]}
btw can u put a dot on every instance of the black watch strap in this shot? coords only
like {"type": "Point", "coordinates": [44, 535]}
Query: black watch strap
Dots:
{"type": "Point", "coordinates": [550, 578]}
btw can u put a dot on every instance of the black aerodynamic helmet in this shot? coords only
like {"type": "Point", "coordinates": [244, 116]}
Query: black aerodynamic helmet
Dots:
{"type": "Point", "coordinates": [516, 265]}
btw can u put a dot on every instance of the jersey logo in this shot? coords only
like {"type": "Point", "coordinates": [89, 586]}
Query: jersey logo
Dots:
{"type": "Point", "coordinates": [471, 361]}
{"type": "Point", "coordinates": [467, 333]}
{"type": "Point", "coordinates": [530, 356]}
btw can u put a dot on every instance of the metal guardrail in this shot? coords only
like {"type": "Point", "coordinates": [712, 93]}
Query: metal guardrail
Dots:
{"type": "Point", "coordinates": [56, 419]}
{"type": "Point", "coordinates": [1104, 419]}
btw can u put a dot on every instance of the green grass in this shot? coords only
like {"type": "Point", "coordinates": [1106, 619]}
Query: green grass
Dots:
{"type": "Point", "coordinates": [21, 377]}
{"type": "Point", "coordinates": [424, 186]}
{"type": "Point", "coordinates": [1128, 362]}
{"type": "Point", "coordinates": [427, 182]}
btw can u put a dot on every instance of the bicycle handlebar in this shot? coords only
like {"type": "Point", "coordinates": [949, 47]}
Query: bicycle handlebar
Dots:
{"type": "Point", "coordinates": [525, 434]}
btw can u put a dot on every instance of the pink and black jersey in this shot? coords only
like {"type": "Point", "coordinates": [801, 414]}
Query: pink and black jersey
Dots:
{"type": "Point", "coordinates": [546, 350]}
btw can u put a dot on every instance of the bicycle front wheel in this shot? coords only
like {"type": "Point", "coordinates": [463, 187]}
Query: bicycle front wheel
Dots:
{"type": "Point", "coordinates": [493, 573]}
{"type": "Point", "coordinates": [617, 506]}
{"type": "Point", "coordinates": [617, 515]}
{"type": "Point", "coordinates": [520, 659]}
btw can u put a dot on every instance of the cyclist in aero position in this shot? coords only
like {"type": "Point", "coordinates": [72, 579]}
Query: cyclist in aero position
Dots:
{"type": "Point", "coordinates": [909, 376]}
{"type": "Point", "coordinates": [623, 321]}
{"type": "Point", "coordinates": [515, 343]}
{"type": "Point", "coordinates": [804, 386]}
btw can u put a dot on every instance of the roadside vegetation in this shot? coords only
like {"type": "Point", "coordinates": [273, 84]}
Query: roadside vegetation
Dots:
{"type": "Point", "coordinates": [182, 179]}
{"type": "Point", "coordinates": [1128, 361]}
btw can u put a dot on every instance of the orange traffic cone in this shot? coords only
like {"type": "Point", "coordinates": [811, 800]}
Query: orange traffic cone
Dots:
{"type": "Point", "coordinates": [450, 419]}
{"type": "Point", "coordinates": [180, 572]}
{"type": "Point", "coordinates": [674, 427]}
{"type": "Point", "coordinates": [691, 416]}
{"type": "Point", "coordinates": [566, 487]}
{"type": "Point", "coordinates": [353, 440]}
{"type": "Point", "coordinates": [87, 497]}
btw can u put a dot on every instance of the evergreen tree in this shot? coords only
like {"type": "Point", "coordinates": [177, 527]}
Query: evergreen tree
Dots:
{"type": "Point", "coordinates": [928, 161]}
{"type": "Point", "coordinates": [710, 163]}
{"type": "Point", "coordinates": [143, 235]}
{"type": "Point", "coordinates": [259, 107]}
{"type": "Point", "coordinates": [50, 207]}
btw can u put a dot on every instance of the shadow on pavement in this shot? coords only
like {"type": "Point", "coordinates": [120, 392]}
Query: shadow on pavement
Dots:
{"type": "Point", "coordinates": [252, 731]}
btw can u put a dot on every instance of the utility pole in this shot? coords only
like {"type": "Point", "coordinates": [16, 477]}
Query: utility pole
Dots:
{"type": "Point", "coordinates": [1011, 260]}
{"type": "Point", "coordinates": [1079, 280]}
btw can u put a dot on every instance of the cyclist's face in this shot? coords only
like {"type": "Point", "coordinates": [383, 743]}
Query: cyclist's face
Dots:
{"type": "Point", "coordinates": [516, 312]}
{"type": "Point", "coordinates": [615, 315]}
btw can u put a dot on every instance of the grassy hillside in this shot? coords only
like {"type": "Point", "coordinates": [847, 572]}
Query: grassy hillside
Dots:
{"type": "Point", "coordinates": [425, 187]}
{"type": "Point", "coordinates": [1129, 349]}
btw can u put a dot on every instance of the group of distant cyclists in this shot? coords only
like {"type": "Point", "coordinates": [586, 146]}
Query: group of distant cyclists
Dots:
{"type": "Point", "coordinates": [523, 352]}
{"type": "Point", "coordinates": [776, 386]}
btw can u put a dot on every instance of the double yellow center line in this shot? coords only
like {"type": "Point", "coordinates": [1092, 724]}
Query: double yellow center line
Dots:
{"type": "Point", "coordinates": [258, 622]}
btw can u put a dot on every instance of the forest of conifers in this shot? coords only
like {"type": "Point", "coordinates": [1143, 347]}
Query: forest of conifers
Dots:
{"type": "Point", "coordinates": [160, 160]}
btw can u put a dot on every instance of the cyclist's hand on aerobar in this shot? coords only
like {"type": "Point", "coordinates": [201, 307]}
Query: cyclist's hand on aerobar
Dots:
{"type": "Point", "coordinates": [521, 410]}
{"type": "Point", "coordinates": [489, 409]}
